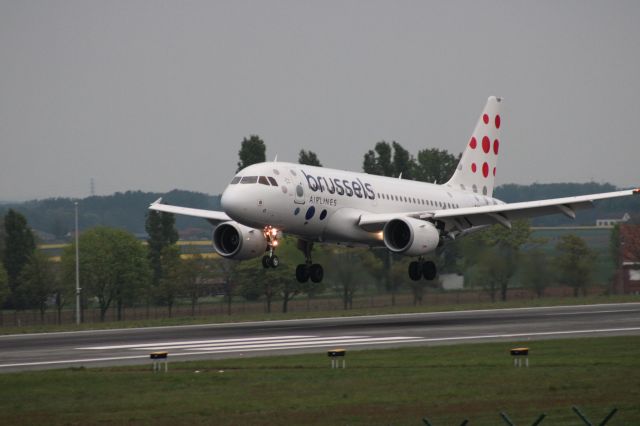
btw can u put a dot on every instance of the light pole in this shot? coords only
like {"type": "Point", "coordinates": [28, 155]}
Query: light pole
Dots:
{"type": "Point", "coordinates": [77, 270]}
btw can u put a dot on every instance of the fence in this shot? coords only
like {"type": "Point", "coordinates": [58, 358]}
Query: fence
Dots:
{"type": "Point", "coordinates": [299, 304]}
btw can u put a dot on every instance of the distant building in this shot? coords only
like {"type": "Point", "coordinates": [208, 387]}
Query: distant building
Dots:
{"type": "Point", "coordinates": [628, 281]}
{"type": "Point", "coordinates": [452, 281]}
{"type": "Point", "coordinates": [609, 223]}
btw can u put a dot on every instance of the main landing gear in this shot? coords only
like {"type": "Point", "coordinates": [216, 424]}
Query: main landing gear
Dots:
{"type": "Point", "coordinates": [270, 260]}
{"type": "Point", "coordinates": [308, 270]}
{"type": "Point", "coordinates": [419, 269]}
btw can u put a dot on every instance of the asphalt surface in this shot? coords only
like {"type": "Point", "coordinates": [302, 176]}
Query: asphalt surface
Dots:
{"type": "Point", "coordinates": [214, 341]}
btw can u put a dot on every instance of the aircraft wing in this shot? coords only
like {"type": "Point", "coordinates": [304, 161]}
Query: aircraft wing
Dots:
{"type": "Point", "coordinates": [468, 217]}
{"type": "Point", "coordinates": [214, 217]}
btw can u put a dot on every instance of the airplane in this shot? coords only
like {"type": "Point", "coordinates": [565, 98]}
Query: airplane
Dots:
{"type": "Point", "coordinates": [322, 205]}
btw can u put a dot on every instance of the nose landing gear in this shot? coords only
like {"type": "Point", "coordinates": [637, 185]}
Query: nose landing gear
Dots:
{"type": "Point", "coordinates": [308, 270]}
{"type": "Point", "coordinates": [270, 260]}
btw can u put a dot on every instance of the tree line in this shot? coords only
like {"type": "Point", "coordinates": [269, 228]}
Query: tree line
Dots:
{"type": "Point", "coordinates": [126, 210]}
{"type": "Point", "coordinates": [118, 271]}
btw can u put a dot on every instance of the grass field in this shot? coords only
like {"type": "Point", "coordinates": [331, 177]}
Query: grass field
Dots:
{"type": "Point", "coordinates": [381, 387]}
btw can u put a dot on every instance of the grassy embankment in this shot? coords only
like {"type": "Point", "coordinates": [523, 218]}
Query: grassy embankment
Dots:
{"type": "Point", "coordinates": [398, 387]}
{"type": "Point", "coordinates": [219, 319]}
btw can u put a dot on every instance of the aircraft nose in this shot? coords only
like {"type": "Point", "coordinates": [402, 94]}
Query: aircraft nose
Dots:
{"type": "Point", "coordinates": [231, 201]}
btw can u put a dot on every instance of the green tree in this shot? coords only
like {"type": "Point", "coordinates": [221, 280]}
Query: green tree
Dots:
{"type": "Point", "coordinates": [38, 282]}
{"type": "Point", "coordinates": [484, 273]}
{"type": "Point", "coordinates": [574, 263]}
{"type": "Point", "coordinates": [113, 267]}
{"type": "Point", "coordinates": [403, 162]}
{"type": "Point", "coordinates": [229, 271]}
{"type": "Point", "coordinates": [535, 271]}
{"type": "Point", "coordinates": [497, 250]}
{"type": "Point", "coordinates": [349, 273]}
{"type": "Point", "coordinates": [435, 165]}
{"type": "Point", "coordinates": [252, 151]}
{"type": "Point", "coordinates": [19, 247]}
{"type": "Point", "coordinates": [4, 287]}
{"type": "Point", "coordinates": [615, 246]}
{"type": "Point", "coordinates": [64, 292]}
{"type": "Point", "coordinates": [2, 241]}
{"type": "Point", "coordinates": [253, 278]}
{"type": "Point", "coordinates": [171, 283]}
{"type": "Point", "coordinates": [309, 158]}
{"type": "Point", "coordinates": [378, 160]}
{"type": "Point", "coordinates": [162, 233]}
{"type": "Point", "coordinates": [193, 272]}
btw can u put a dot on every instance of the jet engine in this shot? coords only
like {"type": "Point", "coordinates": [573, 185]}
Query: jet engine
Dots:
{"type": "Point", "coordinates": [409, 236]}
{"type": "Point", "coordinates": [235, 241]}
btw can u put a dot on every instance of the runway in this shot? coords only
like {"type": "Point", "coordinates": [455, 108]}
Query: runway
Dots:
{"type": "Point", "coordinates": [214, 341]}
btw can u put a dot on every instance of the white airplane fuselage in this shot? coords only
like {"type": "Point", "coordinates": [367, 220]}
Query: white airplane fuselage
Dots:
{"type": "Point", "coordinates": [322, 204]}
{"type": "Point", "coordinates": [317, 204]}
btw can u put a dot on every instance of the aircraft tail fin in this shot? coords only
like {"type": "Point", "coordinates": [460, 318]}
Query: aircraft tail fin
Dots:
{"type": "Point", "coordinates": [476, 170]}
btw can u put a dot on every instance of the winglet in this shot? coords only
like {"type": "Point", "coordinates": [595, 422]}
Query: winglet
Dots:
{"type": "Point", "coordinates": [636, 191]}
{"type": "Point", "coordinates": [158, 201]}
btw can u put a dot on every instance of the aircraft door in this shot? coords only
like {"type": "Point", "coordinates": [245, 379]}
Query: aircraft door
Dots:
{"type": "Point", "coordinates": [298, 187]}
{"type": "Point", "coordinates": [299, 199]}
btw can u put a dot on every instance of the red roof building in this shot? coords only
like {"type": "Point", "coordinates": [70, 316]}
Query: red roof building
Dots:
{"type": "Point", "coordinates": [629, 272]}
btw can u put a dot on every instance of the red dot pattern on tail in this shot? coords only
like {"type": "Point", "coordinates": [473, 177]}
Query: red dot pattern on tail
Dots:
{"type": "Point", "coordinates": [494, 171]}
{"type": "Point", "coordinates": [486, 144]}
{"type": "Point", "coordinates": [496, 146]}
{"type": "Point", "coordinates": [497, 121]}
{"type": "Point", "coordinates": [485, 169]}
{"type": "Point", "coordinates": [473, 167]}
{"type": "Point", "coordinates": [473, 143]}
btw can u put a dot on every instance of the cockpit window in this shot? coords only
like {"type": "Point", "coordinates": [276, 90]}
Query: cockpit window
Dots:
{"type": "Point", "coordinates": [272, 180]}
{"type": "Point", "coordinates": [263, 180]}
{"type": "Point", "coordinates": [235, 180]}
{"type": "Point", "coordinates": [249, 179]}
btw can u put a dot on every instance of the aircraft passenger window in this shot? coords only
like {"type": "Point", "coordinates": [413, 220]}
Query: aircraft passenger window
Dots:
{"type": "Point", "coordinates": [263, 180]}
{"type": "Point", "coordinates": [249, 179]}
{"type": "Point", "coordinates": [272, 180]}
{"type": "Point", "coordinates": [235, 180]}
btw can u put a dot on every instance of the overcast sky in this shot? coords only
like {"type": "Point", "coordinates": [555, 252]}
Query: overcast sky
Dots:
{"type": "Point", "coordinates": [156, 95]}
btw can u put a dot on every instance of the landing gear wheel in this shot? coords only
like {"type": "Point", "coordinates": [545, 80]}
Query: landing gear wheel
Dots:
{"type": "Point", "coordinates": [274, 261]}
{"type": "Point", "coordinates": [266, 262]}
{"type": "Point", "coordinates": [429, 270]}
{"type": "Point", "coordinates": [415, 271]}
{"type": "Point", "coordinates": [316, 273]}
{"type": "Point", "coordinates": [302, 273]}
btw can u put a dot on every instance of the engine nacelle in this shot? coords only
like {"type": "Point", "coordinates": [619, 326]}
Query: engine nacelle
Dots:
{"type": "Point", "coordinates": [236, 241]}
{"type": "Point", "coordinates": [409, 236]}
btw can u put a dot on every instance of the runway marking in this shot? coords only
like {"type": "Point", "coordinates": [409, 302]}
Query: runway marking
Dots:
{"type": "Point", "coordinates": [302, 345]}
{"type": "Point", "coordinates": [310, 342]}
{"type": "Point", "coordinates": [264, 342]}
{"type": "Point", "coordinates": [194, 342]}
